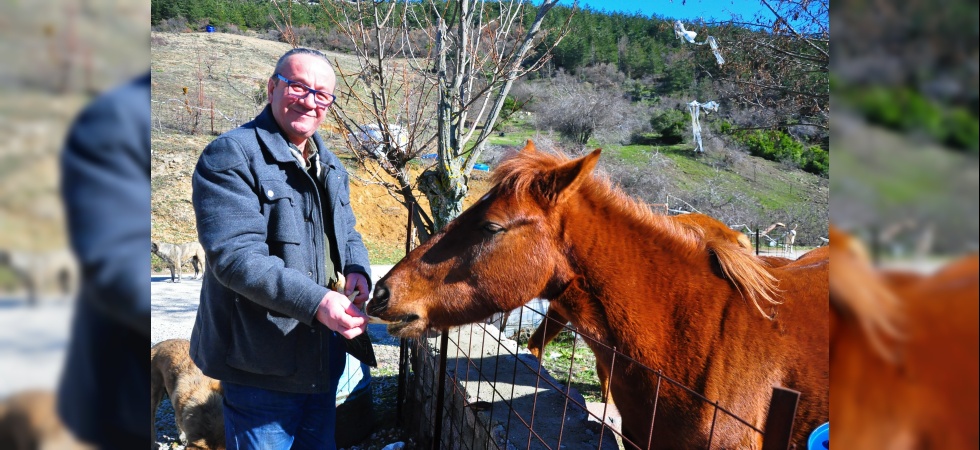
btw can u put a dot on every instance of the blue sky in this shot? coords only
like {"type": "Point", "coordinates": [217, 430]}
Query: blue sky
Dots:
{"type": "Point", "coordinates": [709, 10]}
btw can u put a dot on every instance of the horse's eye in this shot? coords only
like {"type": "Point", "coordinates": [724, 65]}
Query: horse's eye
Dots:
{"type": "Point", "coordinates": [492, 228]}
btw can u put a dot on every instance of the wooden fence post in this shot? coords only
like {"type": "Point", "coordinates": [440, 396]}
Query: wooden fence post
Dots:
{"type": "Point", "coordinates": [779, 421]}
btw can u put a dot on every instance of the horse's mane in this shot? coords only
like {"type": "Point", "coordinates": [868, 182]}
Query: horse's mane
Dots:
{"type": "Point", "coordinates": [858, 293]}
{"type": "Point", "coordinates": [523, 172]}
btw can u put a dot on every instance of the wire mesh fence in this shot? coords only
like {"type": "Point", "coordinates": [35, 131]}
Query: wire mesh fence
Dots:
{"type": "Point", "coordinates": [474, 387]}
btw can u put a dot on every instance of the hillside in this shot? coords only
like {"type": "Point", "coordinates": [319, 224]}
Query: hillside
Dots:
{"type": "Point", "coordinates": [229, 71]}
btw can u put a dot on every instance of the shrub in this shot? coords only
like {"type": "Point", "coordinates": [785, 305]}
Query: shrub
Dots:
{"type": "Point", "coordinates": [672, 126]}
{"type": "Point", "coordinates": [963, 130]}
{"type": "Point", "coordinates": [173, 25]}
{"type": "Point", "coordinates": [878, 105]}
{"type": "Point", "coordinates": [724, 127]}
{"type": "Point", "coordinates": [905, 109]}
{"type": "Point", "coordinates": [776, 145]}
{"type": "Point", "coordinates": [645, 139]}
{"type": "Point", "coordinates": [816, 160]}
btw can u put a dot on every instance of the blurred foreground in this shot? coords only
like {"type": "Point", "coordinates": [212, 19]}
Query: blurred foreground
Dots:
{"type": "Point", "coordinates": [905, 352]}
{"type": "Point", "coordinates": [57, 56]}
{"type": "Point", "coordinates": [904, 181]}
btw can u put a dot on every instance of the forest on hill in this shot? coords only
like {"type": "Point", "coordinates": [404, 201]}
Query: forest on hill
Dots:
{"type": "Point", "coordinates": [773, 108]}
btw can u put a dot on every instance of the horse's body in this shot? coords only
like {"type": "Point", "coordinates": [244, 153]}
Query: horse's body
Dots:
{"type": "Point", "coordinates": [712, 228]}
{"type": "Point", "coordinates": [659, 292]}
{"type": "Point", "coordinates": [904, 352]}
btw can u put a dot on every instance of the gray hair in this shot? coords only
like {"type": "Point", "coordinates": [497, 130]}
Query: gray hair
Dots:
{"type": "Point", "coordinates": [299, 51]}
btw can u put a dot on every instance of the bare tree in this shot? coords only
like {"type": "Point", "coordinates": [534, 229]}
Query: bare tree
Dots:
{"type": "Point", "coordinates": [781, 70]}
{"type": "Point", "coordinates": [436, 73]}
{"type": "Point", "coordinates": [594, 106]}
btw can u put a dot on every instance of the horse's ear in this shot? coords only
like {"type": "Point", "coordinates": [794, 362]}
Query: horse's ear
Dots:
{"type": "Point", "coordinates": [567, 177]}
{"type": "Point", "coordinates": [529, 147]}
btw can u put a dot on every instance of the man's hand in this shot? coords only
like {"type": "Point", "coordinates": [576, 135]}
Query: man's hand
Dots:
{"type": "Point", "coordinates": [357, 282]}
{"type": "Point", "coordinates": [340, 315]}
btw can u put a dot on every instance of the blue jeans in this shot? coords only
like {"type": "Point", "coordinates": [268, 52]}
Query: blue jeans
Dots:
{"type": "Point", "coordinates": [260, 419]}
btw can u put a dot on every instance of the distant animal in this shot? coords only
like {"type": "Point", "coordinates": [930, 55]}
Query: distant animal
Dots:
{"type": "Point", "coordinates": [705, 312]}
{"type": "Point", "coordinates": [904, 352]}
{"type": "Point", "coordinates": [176, 255]}
{"type": "Point", "coordinates": [789, 239]}
{"type": "Point", "coordinates": [41, 271]}
{"type": "Point", "coordinates": [195, 397]}
{"type": "Point", "coordinates": [29, 421]}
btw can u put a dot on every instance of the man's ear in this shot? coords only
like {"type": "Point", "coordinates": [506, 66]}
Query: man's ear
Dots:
{"type": "Point", "coordinates": [269, 88]}
{"type": "Point", "coordinates": [566, 178]}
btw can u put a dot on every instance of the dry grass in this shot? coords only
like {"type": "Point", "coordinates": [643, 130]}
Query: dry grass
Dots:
{"type": "Point", "coordinates": [31, 211]}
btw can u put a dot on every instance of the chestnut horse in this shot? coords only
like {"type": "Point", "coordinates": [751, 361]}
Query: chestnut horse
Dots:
{"type": "Point", "coordinates": [554, 321]}
{"type": "Point", "coordinates": [904, 353]}
{"type": "Point", "coordinates": [706, 313]}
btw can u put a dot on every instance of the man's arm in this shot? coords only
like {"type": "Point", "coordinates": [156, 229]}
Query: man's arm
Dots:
{"type": "Point", "coordinates": [105, 182]}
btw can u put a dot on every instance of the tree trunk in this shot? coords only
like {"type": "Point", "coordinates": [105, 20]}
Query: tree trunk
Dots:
{"type": "Point", "coordinates": [444, 185]}
{"type": "Point", "coordinates": [445, 194]}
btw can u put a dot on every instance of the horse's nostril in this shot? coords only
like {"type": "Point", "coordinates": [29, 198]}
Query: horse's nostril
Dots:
{"type": "Point", "coordinates": [380, 300]}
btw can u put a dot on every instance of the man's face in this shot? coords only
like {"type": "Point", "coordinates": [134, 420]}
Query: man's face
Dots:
{"type": "Point", "coordinates": [299, 119]}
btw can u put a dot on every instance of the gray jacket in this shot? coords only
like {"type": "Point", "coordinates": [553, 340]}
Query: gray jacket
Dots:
{"type": "Point", "coordinates": [260, 221]}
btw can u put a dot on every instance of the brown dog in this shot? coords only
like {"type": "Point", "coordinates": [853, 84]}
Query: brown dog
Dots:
{"type": "Point", "coordinates": [195, 397]}
{"type": "Point", "coordinates": [28, 421]}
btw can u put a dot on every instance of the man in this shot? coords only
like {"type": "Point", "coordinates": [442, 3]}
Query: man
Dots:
{"type": "Point", "coordinates": [105, 182]}
{"type": "Point", "coordinates": [274, 217]}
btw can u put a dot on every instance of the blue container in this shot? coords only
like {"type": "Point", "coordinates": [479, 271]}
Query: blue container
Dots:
{"type": "Point", "coordinates": [820, 438]}
{"type": "Point", "coordinates": [209, 28]}
{"type": "Point", "coordinates": [482, 167]}
{"type": "Point", "coordinates": [355, 380]}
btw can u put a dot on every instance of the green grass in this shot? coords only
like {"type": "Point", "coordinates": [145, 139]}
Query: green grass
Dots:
{"type": "Point", "coordinates": [384, 253]}
{"type": "Point", "coordinates": [512, 138]}
{"type": "Point", "coordinates": [906, 178]}
{"type": "Point", "coordinates": [633, 154]}
{"type": "Point", "coordinates": [773, 187]}
{"type": "Point", "coordinates": [8, 281]}
{"type": "Point", "coordinates": [560, 356]}
{"type": "Point", "coordinates": [157, 264]}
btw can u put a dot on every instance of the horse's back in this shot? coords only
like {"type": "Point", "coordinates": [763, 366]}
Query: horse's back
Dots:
{"type": "Point", "coordinates": [802, 326]}
{"type": "Point", "coordinates": [923, 392]}
{"type": "Point", "coordinates": [944, 339]}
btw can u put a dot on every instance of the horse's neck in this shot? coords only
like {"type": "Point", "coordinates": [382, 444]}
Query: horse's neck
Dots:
{"type": "Point", "coordinates": [635, 274]}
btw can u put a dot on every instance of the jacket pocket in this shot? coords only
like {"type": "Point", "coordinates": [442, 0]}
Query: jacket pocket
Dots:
{"type": "Point", "coordinates": [279, 205]}
{"type": "Point", "coordinates": [263, 342]}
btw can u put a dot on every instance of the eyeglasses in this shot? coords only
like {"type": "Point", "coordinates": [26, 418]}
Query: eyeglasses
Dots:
{"type": "Point", "coordinates": [300, 91]}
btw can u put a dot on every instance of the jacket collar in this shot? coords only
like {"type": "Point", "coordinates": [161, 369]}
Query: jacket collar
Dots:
{"type": "Point", "coordinates": [274, 141]}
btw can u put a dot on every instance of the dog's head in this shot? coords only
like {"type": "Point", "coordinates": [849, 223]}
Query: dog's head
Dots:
{"type": "Point", "coordinates": [204, 424]}
{"type": "Point", "coordinates": [154, 247]}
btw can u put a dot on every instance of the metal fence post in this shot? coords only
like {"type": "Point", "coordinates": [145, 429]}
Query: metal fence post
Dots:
{"type": "Point", "coordinates": [779, 421]}
{"type": "Point", "coordinates": [441, 389]}
{"type": "Point", "coordinates": [404, 343]}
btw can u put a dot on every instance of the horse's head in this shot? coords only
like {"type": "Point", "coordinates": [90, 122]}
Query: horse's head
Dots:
{"type": "Point", "coordinates": [501, 252]}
